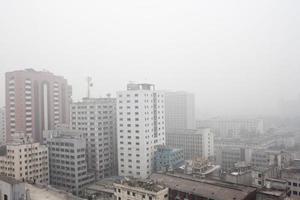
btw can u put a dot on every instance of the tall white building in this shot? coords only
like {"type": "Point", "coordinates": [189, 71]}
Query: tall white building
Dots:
{"type": "Point", "coordinates": [2, 126]}
{"type": "Point", "coordinates": [96, 118]}
{"type": "Point", "coordinates": [180, 110]}
{"type": "Point", "coordinates": [140, 127]}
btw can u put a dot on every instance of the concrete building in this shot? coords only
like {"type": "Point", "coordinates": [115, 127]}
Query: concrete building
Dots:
{"type": "Point", "coordinates": [203, 168]}
{"type": "Point", "coordinates": [35, 192]}
{"type": "Point", "coordinates": [292, 176]}
{"type": "Point", "coordinates": [137, 189]}
{"type": "Point", "coordinates": [233, 127]}
{"type": "Point", "coordinates": [103, 189]}
{"type": "Point", "coordinates": [140, 128]}
{"type": "Point", "coordinates": [187, 187]}
{"type": "Point", "coordinates": [35, 101]}
{"type": "Point", "coordinates": [194, 142]}
{"type": "Point", "coordinates": [96, 118]}
{"type": "Point", "coordinates": [25, 160]}
{"type": "Point", "coordinates": [240, 174]}
{"type": "Point", "coordinates": [11, 189]}
{"type": "Point", "coordinates": [180, 110]}
{"type": "Point", "coordinates": [267, 158]}
{"type": "Point", "coordinates": [2, 126]}
{"type": "Point", "coordinates": [228, 156]}
{"type": "Point", "coordinates": [68, 162]}
{"type": "Point", "coordinates": [274, 189]}
{"type": "Point", "coordinates": [167, 158]}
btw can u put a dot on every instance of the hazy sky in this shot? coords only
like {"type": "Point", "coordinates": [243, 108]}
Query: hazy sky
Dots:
{"type": "Point", "coordinates": [238, 57]}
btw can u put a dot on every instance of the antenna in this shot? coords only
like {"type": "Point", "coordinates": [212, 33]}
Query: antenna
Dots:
{"type": "Point", "coordinates": [89, 84]}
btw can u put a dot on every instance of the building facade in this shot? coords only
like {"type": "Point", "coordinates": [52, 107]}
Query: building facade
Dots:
{"type": "Point", "coordinates": [96, 118]}
{"type": "Point", "coordinates": [189, 187]}
{"type": "Point", "coordinates": [180, 110]}
{"type": "Point", "coordinates": [292, 176]}
{"type": "Point", "coordinates": [228, 156]}
{"type": "Point", "coordinates": [68, 163]}
{"type": "Point", "coordinates": [11, 189]}
{"type": "Point", "coordinates": [25, 160]}
{"type": "Point", "coordinates": [167, 158]}
{"type": "Point", "coordinates": [140, 128]}
{"type": "Point", "coordinates": [195, 143]}
{"type": "Point", "coordinates": [35, 101]}
{"type": "Point", "coordinates": [233, 127]}
{"type": "Point", "coordinates": [2, 126]}
{"type": "Point", "coordinates": [135, 189]}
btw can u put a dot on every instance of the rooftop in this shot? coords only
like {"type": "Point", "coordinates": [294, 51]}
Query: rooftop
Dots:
{"type": "Point", "coordinates": [48, 193]}
{"type": "Point", "coordinates": [9, 180]}
{"type": "Point", "coordinates": [203, 187]}
{"type": "Point", "coordinates": [272, 192]}
{"type": "Point", "coordinates": [148, 185]}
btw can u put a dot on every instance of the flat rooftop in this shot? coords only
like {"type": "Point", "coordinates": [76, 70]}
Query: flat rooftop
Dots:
{"type": "Point", "coordinates": [47, 193]}
{"type": "Point", "coordinates": [148, 185]}
{"type": "Point", "coordinates": [9, 180]}
{"type": "Point", "coordinates": [204, 188]}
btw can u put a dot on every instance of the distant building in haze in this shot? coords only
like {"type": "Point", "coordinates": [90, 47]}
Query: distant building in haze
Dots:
{"type": "Point", "coordinates": [2, 126]}
{"type": "Point", "coordinates": [194, 142]}
{"type": "Point", "coordinates": [180, 110]}
{"type": "Point", "coordinates": [35, 101]}
{"type": "Point", "coordinates": [233, 127]}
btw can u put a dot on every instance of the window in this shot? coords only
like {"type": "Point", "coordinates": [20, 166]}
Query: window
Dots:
{"type": "Point", "coordinates": [5, 197]}
{"type": "Point", "coordinates": [295, 184]}
{"type": "Point", "coordinates": [128, 192]}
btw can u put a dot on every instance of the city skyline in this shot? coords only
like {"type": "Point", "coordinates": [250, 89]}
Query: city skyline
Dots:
{"type": "Point", "coordinates": [247, 52]}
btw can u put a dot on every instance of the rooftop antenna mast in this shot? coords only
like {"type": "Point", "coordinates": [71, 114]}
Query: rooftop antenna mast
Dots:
{"type": "Point", "coordinates": [89, 84]}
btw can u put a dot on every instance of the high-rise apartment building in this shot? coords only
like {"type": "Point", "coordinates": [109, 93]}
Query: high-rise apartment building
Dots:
{"type": "Point", "coordinates": [140, 127]}
{"type": "Point", "coordinates": [67, 157]}
{"type": "Point", "coordinates": [96, 118]}
{"type": "Point", "coordinates": [25, 160]}
{"type": "Point", "coordinates": [2, 126]}
{"type": "Point", "coordinates": [196, 143]}
{"type": "Point", "coordinates": [180, 110]}
{"type": "Point", "coordinates": [35, 101]}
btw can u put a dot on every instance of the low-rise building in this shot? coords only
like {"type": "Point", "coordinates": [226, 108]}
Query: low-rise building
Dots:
{"type": "Point", "coordinates": [194, 142]}
{"type": "Point", "coordinates": [12, 189]}
{"type": "Point", "coordinates": [292, 176]}
{"type": "Point", "coordinates": [274, 189]}
{"type": "Point", "coordinates": [267, 158]}
{"type": "Point", "coordinates": [25, 160]}
{"type": "Point", "coordinates": [204, 168]}
{"type": "Point", "coordinates": [240, 174]}
{"type": "Point", "coordinates": [227, 156]}
{"type": "Point", "coordinates": [187, 187]}
{"type": "Point", "coordinates": [167, 158]}
{"type": "Point", "coordinates": [136, 189]}
{"type": "Point", "coordinates": [102, 189]}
